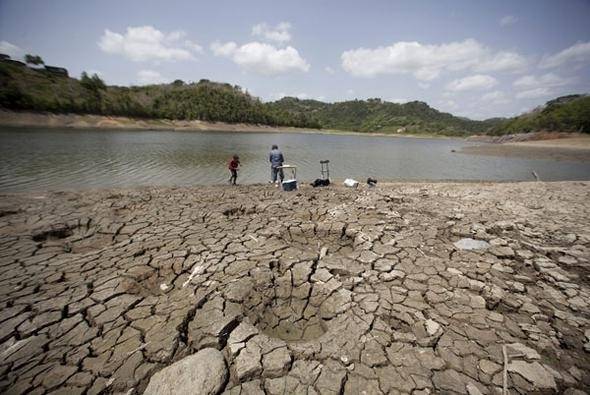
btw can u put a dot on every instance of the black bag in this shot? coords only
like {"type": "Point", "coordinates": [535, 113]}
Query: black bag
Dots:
{"type": "Point", "coordinates": [320, 183]}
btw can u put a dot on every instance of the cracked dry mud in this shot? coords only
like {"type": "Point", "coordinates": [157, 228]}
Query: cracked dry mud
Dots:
{"type": "Point", "coordinates": [318, 291]}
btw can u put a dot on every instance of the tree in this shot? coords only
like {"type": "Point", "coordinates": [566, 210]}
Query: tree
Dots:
{"type": "Point", "coordinates": [34, 59]}
{"type": "Point", "coordinates": [94, 83]}
{"type": "Point", "coordinates": [178, 82]}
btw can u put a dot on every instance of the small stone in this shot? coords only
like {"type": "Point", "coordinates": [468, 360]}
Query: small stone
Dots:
{"type": "Point", "coordinates": [432, 327]}
{"type": "Point", "coordinates": [471, 244]}
{"type": "Point", "coordinates": [477, 302]}
{"type": "Point", "coordinates": [205, 371]}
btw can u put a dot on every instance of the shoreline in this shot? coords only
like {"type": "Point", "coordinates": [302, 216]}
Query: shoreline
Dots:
{"type": "Point", "coordinates": [24, 119]}
{"type": "Point", "coordinates": [336, 184]}
{"type": "Point", "coordinates": [104, 291]}
{"type": "Point", "coordinates": [536, 145]}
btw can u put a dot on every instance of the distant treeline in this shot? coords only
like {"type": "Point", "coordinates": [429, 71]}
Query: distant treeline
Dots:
{"type": "Point", "coordinates": [50, 89]}
{"type": "Point", "coordinates": [376, 115]}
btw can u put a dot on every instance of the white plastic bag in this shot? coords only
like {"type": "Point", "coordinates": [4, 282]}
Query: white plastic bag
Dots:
{"type": "Point", "coordinates": [349, 182]}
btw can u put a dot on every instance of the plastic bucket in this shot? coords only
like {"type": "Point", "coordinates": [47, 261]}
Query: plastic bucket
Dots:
{"type": "Point", "coordinates": [289, 185]}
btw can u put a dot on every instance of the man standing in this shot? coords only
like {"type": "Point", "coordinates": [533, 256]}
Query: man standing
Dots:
{"type": "Point", "coordinates": [276, 161]}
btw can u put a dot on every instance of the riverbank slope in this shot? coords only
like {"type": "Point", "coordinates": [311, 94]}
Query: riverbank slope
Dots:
{"type": "Point", "coordinates": [88, 121]}
{"type": "Point", "coordinates": [340, 290]}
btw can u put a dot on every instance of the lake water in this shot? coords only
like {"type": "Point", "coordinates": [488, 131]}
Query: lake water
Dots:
{"type": "Point", "coordinates": [37, 159]}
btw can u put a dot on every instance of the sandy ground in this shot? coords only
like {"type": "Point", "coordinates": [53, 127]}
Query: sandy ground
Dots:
{"type": "Point", "coordinates": [326, 291]}
{"type": "Point", "coordinates": [577, 143]}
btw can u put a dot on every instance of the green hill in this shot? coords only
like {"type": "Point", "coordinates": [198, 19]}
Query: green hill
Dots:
{"type": "Point", "coordinates": [50, 89]}
{"type": "Point", "coordinates": [565, 114]}
{"type": "Point", "coordinates": [375, 115]}
{"type": "Point", "coordinates": [24, 88]}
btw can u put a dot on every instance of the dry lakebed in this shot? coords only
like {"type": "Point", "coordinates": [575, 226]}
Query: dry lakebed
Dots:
{"type": "Point", "coordinates": [416, 288]}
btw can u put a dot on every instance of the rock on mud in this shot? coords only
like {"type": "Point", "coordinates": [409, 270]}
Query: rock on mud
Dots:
{"type": "Point", "coordinates": [471, 244]}
{"type": "Point", "coordinates": [204, 372]}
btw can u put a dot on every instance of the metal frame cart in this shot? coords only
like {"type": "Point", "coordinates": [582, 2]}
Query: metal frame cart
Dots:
{"type": "Point", "coordinates": [325, 169]}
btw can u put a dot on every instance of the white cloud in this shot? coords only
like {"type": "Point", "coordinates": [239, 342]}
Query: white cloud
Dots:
{"type": "Point", "coordinates": [329, 70]}
{"type": "Point", "coordinates": [427, 61]}
{"type": "Point", "coordinates": [300, 96]}
{"type": "Point", "coordinates": [502, 61]}
{"type": "Point", "coordinates": [534, 93]}
{"type": "Point", "coordinates": [577, 53]}
{"type": "Point", "coordinates": [11, 50]}
{"type": "Point", "coordinates": [508, 20]}
{"type": "Point", "coordinates": [143, 43]}
{"type": "Point", "coordinates": [279, 33]}
{"type": "Point", "coordinates": [193, 45]}
{"type": "Point", "coordinates": [472, 82]}
{"type": "Point", "coordinates": [495, 97]}
{"type": "Point", "coordinates": [533, 87]}
{"type": "Point", "coordinates": [97, 72]}
{"type": "Point", "coordinates": [226, 49]}
{"type": "Point", "coordinates": [150, 77]}
{"type": "Point", "coordinates": [262, 58]}
{"type": "Point", "coordinates": [448, 105]}
{"type": "Point", "coordinates": [548, 80]}
{"type": "Point", "coordinates": [399, 100]}
{"type": "Point", "coordinates": [423, 85]}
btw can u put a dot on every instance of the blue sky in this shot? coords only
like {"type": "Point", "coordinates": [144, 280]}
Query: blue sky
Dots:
{"type": "Point", "coordinates": [472, 58]}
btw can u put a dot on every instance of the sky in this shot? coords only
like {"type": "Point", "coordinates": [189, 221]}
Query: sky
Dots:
{"type": "Point", "coordinates": [477, 59]}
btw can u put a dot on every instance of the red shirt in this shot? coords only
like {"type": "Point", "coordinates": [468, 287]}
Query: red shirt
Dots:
{"type": "Point", "coordinates": [233, 164]}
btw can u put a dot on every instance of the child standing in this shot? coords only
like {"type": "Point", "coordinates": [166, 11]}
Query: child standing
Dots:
{"type": "Point", "coordinates": [233, 166]}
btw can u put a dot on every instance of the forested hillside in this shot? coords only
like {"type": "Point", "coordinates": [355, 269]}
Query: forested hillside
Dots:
{"type": "Point", "coordinates": [39, 89]}
{"type": "Point", "coordinates": [23, 88]}
{"type": "Point", "coordinates": [375, 115]}
{"type": "Point", "coordinates": [565, 114]}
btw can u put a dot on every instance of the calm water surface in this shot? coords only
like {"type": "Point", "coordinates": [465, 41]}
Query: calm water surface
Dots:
{"type": "Point", "coordinates": [37, 159]}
